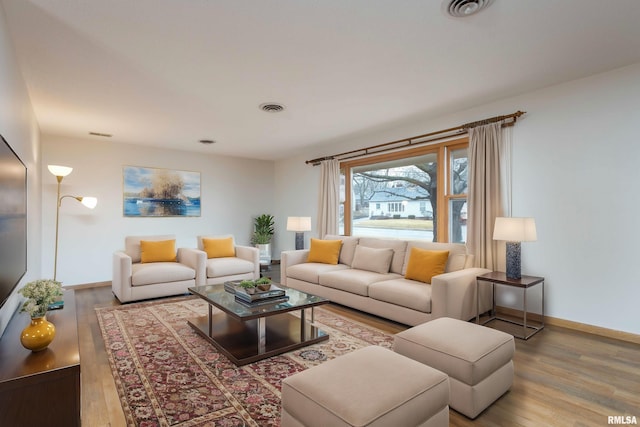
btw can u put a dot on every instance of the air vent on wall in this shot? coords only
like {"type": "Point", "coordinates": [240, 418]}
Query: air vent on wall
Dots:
{"type": "Point", "coordinates": [462, 8]}
{"type": "Point", "coordinates": [271, 107]}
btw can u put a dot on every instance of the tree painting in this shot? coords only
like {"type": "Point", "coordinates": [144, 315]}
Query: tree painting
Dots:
{"type": "Point", "coordinates": [160, 192]}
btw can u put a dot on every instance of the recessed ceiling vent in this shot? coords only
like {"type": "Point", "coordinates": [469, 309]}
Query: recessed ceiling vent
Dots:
{"type": "Point", "coordinates": [463, 8]}
{"type": "Point", "coordinates": [207, 141]}
{"type": "Point", "coordinates": [271, 107]}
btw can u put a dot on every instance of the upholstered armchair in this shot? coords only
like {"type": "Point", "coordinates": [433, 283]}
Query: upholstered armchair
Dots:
{"type": "Point", "coordinates": [227, 261]}
{"type": "Point", "coordinates": [151, 267]}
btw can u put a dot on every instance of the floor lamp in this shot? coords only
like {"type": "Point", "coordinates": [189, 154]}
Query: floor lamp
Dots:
{"type": "Point", "coordinates": [299, 224]}
{"type": "Point", "coordinates": [60, 172]}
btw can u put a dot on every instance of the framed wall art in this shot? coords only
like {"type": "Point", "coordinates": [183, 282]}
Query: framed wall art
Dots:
{"type": "Point", "coordinates": [155, 192]}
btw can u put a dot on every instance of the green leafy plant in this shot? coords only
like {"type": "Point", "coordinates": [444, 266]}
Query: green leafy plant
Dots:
{"type": "Point", "coordinates": [247, 284]}
{"type": "Point", "coordinates": [262, 230]}
{"type": "Point", "coordinates": [39, 294]}
{"type": "Point", "coordinates": [263, 281]}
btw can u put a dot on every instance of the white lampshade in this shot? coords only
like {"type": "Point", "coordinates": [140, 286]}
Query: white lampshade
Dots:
{"type": "Point", "coordinates": [59, 170]}
{"type": "Point", "coordinates": [515, 229]}
{"type": "Point", "coordinates": [299, 223]}
{"type": "Point", "coordinates": [89, 202]}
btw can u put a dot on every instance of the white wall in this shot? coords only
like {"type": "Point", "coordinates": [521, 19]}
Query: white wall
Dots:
{"type": "Point", "coordinates": [575, 170]}
{"type": "Point", "coordinates": [19, 129]}
{"type": "Point", "coordinates": [233, 192]}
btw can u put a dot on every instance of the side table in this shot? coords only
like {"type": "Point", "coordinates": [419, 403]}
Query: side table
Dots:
{"type": "Point", "coordinates": [524, 283]}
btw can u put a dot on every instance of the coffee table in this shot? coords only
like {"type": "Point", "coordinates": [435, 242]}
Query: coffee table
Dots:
{"type": "Point", "coordinates": [248, 334]}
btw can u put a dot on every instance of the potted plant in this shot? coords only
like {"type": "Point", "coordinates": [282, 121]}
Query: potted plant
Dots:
{"type": "Point", "coordinates": [263, 283]}
{"type": "Point", "coordinates": [249, 286]}
{"type": "Point", "coordinates": [261, 238]}
{"type": "Point", "coordinates": [39, 293]}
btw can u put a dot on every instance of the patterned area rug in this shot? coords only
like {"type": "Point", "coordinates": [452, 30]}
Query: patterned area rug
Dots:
{"type": "Point", "coordinates": [167, 375]}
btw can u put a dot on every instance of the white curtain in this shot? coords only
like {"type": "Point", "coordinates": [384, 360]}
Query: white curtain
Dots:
{"type": "Point", "coordinates": [489, 190]}
{"type": "Point", "coordinates": [329, 197]}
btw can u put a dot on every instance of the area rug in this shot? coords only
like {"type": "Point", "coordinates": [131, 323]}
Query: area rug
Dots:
{"type": "Point", "coordinates": [168, 375]}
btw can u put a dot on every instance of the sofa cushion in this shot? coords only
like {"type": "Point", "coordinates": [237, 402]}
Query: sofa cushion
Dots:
{"type": "Point", "coordinates": [372, 259]}
{"type": "Point", "coordinates": [352, 280]}
{"type": "Point", "coordinates": [424, 264]}
{"type": "Point", "coordinates": [218, 248]}
{"type": "Point", "coordinates": [157, 251]}
{"type": "Point", "coordinates": [324, 251]}
{"type": "Point", "coordinates": [132, 244]}
{"type": "Point", "coordinates": [348, 247]}
{"type": "Point", "coordinates": [399, 250]}
{"type": "Point", "coordinates": [228, 266]}
{"type": "Point", "coordinates": [160, 272]}
{"type": "Point", "coordinates": [403, 292]}
{"type": "Point", "coordinates": [310, 271]}
{"type": "Point", "coordinates": [457, 253]}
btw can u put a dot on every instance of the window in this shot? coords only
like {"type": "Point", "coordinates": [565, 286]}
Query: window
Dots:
{"type": "Point", "coordinates": [398, 194]}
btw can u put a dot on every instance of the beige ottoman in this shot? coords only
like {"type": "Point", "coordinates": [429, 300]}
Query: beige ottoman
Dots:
{"type": "Point", "coordinates": [372, 386]}
{"type": "Point", "coordinates": [477, 359]}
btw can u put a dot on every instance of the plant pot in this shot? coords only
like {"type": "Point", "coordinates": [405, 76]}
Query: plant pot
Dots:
{"type": "Point", "coordinates": [250, 291]}
{"type": "Point", "coordinates": [264, 287]}
{"type": "Point", "coordinates": [265, 253]}
{"type": "Point", "coordinates": [38, 335]}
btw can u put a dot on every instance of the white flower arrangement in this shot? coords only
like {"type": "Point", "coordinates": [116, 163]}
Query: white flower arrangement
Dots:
{"type": "Point", "coordinates": [39, 294]}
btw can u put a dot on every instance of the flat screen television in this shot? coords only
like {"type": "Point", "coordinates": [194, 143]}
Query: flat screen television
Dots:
{"type": "Point", "coordinates": [13, 220]}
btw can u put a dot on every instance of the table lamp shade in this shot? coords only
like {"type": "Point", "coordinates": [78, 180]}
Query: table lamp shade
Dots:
{"type": "Point", "coordinates": [299, 223]}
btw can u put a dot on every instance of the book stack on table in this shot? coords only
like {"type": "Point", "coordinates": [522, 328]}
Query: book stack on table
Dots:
{"type": "Point", "coordinates": [272, 296]}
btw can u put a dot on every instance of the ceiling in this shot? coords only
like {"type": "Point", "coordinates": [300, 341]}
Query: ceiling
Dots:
{"type": "Point", "coordinates": [168, 73]}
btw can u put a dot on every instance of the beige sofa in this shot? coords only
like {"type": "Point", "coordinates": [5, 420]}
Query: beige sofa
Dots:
{"type": "Point", "coordinates": [388, 293]}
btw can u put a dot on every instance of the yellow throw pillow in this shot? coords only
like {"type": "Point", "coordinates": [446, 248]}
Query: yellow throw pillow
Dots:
{"type": "Point", "coordinates": [157, 251]}
{"type": "Point", "coordinates": [424, 264]}
{"type": "Point", "coordinates": [324, 251]}
{"type": "Point", "coordinates": [219, 248]}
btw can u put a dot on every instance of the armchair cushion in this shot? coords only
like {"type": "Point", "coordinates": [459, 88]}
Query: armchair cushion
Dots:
{"type": "Point", "coordinates": [160, 272]}
{"type": "Point", "coordinates": [228, 266]}
{"type": "Point", "coordinates": [132, 244]}
{"type": "Point", "coordinates": [219, 248]}
{"type": "Point", "coordinates": [157, 251]}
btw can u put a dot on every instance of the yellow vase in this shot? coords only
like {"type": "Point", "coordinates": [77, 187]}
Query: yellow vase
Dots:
{"type": "Point", "coordinates": [38, 335]}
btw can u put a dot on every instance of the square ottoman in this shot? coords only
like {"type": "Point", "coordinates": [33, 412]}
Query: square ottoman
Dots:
{"type": "Point", "coordinates": [372, 386]}
{"type": "Point", "coordinates": [477, 359]}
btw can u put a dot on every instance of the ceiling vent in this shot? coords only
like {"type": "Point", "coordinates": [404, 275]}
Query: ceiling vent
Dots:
{"type": "Point", "coordinates": [206, 141]}
{"type": "Point", "coordinates": [271, 107]}
{"type": "Point", "coordinates": [462, 8]}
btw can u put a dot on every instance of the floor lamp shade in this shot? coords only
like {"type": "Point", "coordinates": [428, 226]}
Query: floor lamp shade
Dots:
{"type": "Point", "coordinates": [513, 231]}
{"type": "Point", "coordinates": [299, 224]}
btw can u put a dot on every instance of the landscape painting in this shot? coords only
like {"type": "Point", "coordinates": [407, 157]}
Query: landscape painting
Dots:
{"type": "Point", "coordinates": [154, 192]}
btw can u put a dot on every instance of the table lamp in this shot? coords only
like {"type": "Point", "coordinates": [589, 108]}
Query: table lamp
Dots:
{"type": "Point", "coordinates": [514, 231]}
{"type": "Point", "coordinates": [299, 224]}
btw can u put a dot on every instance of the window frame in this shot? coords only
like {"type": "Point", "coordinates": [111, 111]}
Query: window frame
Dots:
{"type": "Point", "coordinates": [442, 150]}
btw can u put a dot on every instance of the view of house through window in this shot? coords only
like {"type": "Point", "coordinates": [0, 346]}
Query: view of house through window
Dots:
{"type": "Point", "coordinates": [399, 195]}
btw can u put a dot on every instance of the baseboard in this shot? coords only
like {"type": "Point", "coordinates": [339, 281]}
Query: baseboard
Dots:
{"type": "Point", "coordinates": [88, 285]}
{"type": "Point", "coordinates": [576, 326]}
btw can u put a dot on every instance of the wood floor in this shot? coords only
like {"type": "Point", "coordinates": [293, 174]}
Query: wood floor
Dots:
{"type": "Point", "coordinates": [562, 377]}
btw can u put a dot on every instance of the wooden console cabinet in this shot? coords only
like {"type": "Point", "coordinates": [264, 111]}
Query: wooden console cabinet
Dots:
{"type": "Point", "coordinates": [43, 388]}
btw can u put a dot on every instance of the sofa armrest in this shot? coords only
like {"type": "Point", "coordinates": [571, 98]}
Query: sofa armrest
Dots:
{"type": "Point", "coordinates": [121, 276]}
{"type": "Point", "coordinates": [251, 254]}
{"type": "Point", "coordinates": [289, 258]}
{"type": "Point", "coordinates": [454, 294]}
{"type": "Point", "coordinates": [197, 260]}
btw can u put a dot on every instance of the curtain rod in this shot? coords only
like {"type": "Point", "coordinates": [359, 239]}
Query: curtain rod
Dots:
{"type": "Point", "coordinates": [432, 136]}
